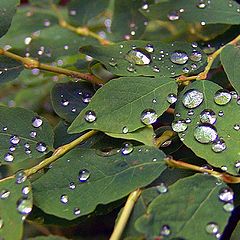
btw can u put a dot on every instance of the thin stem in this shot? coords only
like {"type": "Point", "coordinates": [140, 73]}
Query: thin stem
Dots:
{"type": "Point", "coordinates": [164, 137]}
{"type": "Point", "coordinates": [31, 63]}
{"type": "Point", "coordinates": [127, 210]}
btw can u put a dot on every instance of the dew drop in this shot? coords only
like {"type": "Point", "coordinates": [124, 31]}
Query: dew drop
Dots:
{"type": "Point", "coordinates": [37, 122]}
{"type": "Point", "coordinates": [226, 194]}
{"type": "Point", "coordinates": [14, 139]}
{"type": "Point", "coordinates": [185, 70]}
{"type": "Point", "coordinates": [166, 143]}
{"type": "Point", "coordinates": [76, 211]}
{"type": "Point", "coordinates": [64, 199]}
{"type": "Point", "coordinates": [8, 157]}
{"type": "Point", "coordinates": [179, 57]}
{"type": "Point", "coordinates": [205, 133]}
{"type": "Point", "coordinates": [148, 116]}
{"type": "Point", "coordinates": [162, 188]}
{"type": "Point", "coordinates": [86, 97]}
{"type": "Point", "coordinates": [24, 206]}
{"type": "Point", "coordinates": [125, 130]}
{"type": "Point", "coordinates": [4, 194]}
{"type": "Point", "coordinates": [237, 164]}
{"type": "Point", "coordinates": [212, 228]}
{"type": "Point", "coordinates": [20, 177]}
{"type": "Point", "coordinates": [220, 113]}
{"type": "Point", "coordinates": [173, 15]}
{"type": "Point", "coordinates": [201, 4]}
{"type": "Point", "coordinates": [228, 207]}
{"type": "Point", "coordinates": [190, 112]}
{"type": "Point", "coordinates": [179, 126]}
{"type": "Point", "coordinates": [33, 134]}
{"type": "Point", "coordinates": [84, 175]}
{"type": "Point", "coordinates": [41, 147]}
{"type": "Point", "coordinates": [127, 148]}
{"type": "Point", "coordinates": [1, 223]}
{"type": "Point", "coordinates": [171, 98]}
{"type": "Point", "coordinates": [149, 48]}
{"type": "Point", "coordinates": [195, 56]}
{"type": "Point", "coordinates": [138, 56]}
{"type": "Point", "coordinates": [64, 102]}
{"type": "Point", "coordinates": [90, 116]}
{"type": "Point", "coordinates": [26, 190]}
{"type": "Point", "coordinates": [222, 97]}
{"type": "Point", "coordinates": [112, 62]}
{"type": "Point", "coordinates": [208, 116]}
{"type": "Point", "coordinates": [192, 98]}
{"type": "Point", "coordinates": [219, 146]}
{"type": "Point", "coordinates": [131, 68]}
{"type": "Point", "coordinates": [165, 231]}
{"type": "Point", "coordinates": [156, 69]}
{"type": "Point", "coordinates": [72, 185]}
{"type": "Point", "coordinates": [236, 127]}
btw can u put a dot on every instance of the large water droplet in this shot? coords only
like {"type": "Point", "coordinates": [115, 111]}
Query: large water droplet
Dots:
{"type": "Point", "coordinates": [138, 56]}
{"type": "Point", "coordinates": [37, 122]}
{"type": "Point", "coordinates": [90, 116]}
{"type": "Point", "coordinates": [4, 194]}
{"type": "Point", "coordinates": [171, 98]}
{"type": "Point", "coordinates": [222, 97]}
{"type": "Point", "coordinates": [8, 157]}
{"type": "Point", "coordinates": [173, 15]}
{"type": "Point", "coordinates": [84, 175]}
{"type": "Point", "coordinates": [64, 199]}
{"type": "Point", "coordinates": [226, 194]}
{"type": "Point", "coordinates": [192, 98]}
{"type": "Point", "coordinates": [219, 146]}
{"type": "Point", "coordinates": [14, 139]}
{"type": "Point", "coordinates": [212, 228]}
{"type": "Point", "coordinates": [127, 148]}
{"type": "Point", "coordinates": [208, 116]}
{"type": "Point", "coordinates": [179, 57]}
{"type": "Point", "coordinates": [179, 125]}
{"type": "Point", "coordinates": [24, 206]}
{"type": "Point", "coordinates": [41, 147]}
{"type": "Point", "coordinates": [165, 231]}
{"type": "Point", "coordinates": [205, 133]}
{"type": "Point", "coordinates": [148, 116]}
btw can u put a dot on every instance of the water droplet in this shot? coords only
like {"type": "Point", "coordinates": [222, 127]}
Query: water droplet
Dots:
{"type": "Point", "coordinates": [179, 57]}
{"type": "Point", "coordinates": [24, 206]}
{"type": "Point", "coordinates": [26, 190]}
{"type": "Point", "coordinates": [148, 116]}
{"type": "Point", "coordinates": [188, 120]}
{"type": "Point", "coordinates": [125, 130]}
{"type": "Point", "coordinates": [33, 134]}
{"type": "Point", "coordinates": [219, 146]}
{"type": "Point", "coordinates": [201, 4]}
{"type": "Point", "coordinates": [185, 70]}
{"type": "Point", "coordinates": [4, 129]}
{"type": "Point", "coordinates": [212, 228]}
{"type": "Point", "coordinates": [41, 147]}
{"type": "Point", "coordinates": [90, 116]}
{"type": "Point", "coordinates": [20, 177]}
{"type": "Point", "coordinates": [205, 133]}
{"type": "Point", "coordinates": [222, 97]}
{"type": "Point", "coordinates": [171, 98]}
{"type": "Point", "coordinates": [64, 102]}
{"type": "Point", "coordinates": [76, 211]}
{"type": "Point", "coordinates": [4, 194]}
{"type": "Point", "coordinates": [220, 113]}
{"type": "Point", "coordinates": [72, 185]}
{"type": "Point", "coordinates": [64, 199]}
{"type": "Point", "coordinates": [1, 224]}
{"type": "Point", "coordinates": [8, 157]}
{"type": "Point", "coordinates": [27, 40]}
{"type": "Point", "coordinates": [179, 125]}
{"type": "Point", "coordinates": [166, 143]}
{"type": "Point", "coordinates": [162, 188]}
{"type": "Point", "coordinates": [208, 116]}
{"type": "Point", "coordinates": [37, 122]}
{"type": "Point", "coordinates": [228, 207]}
{"type": "Point", "coordinates": [236, 127]}
{"type": "Point", "coordinates": [112, 62]}
{"type": "Point", "coordinates": [86, 97]}
{"type": "Point", "coordinates": [237, 164]}
{"type": "Point", "coordinates": [190, 112]}
{"type": "Point", "coordinates": [173, 15]}
{"type": "Point", "coordinates": [14, 139]}
{"type": "Point", "coordinates": [46, 23]}
{"type": "Point", "coordinates": [84, 175]}
{"type": "Point", "coordinates": [195, 56]}
{"type": "Point", "coordinates": [226, 194]}
{"type": "Point", "coordinates": [138, 56]}
{"type": "Point", "coordinates": [165, 231]}
{"type": "Point", "coordinates": [149, 48]}
{"type": "Point", "coordinates": [192, 98]}
{"type": "Point", "coordinates": [203, 23]}
{"type": "Point", "coordinates": [127, 148]}
{"type": "Point", "coordinates": [156, 69]}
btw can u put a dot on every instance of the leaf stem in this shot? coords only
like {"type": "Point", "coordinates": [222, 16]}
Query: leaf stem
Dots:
{"type": "Point", "coordinates": [83, 31]}
{"type": "Point", "coordinates": [210, 60]}
{"type": "Point", "coordinates": [168, 134]}
{"type": "Point", "coordinates": [31, 63]}
{"type": "Point", "coordinates": [127, 210]}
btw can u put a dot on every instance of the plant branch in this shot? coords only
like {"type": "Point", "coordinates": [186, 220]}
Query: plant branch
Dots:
{"type": "Point", "coordinates": [168, 134]}
{"type": "Point", "coordinates": [31, 63]}
{"type": "Point", "coordinates": [210, 60]}
{"type": "Point", "coordinates": [123, 219]}
{"type": "Point", "coordinates": [83, 31]}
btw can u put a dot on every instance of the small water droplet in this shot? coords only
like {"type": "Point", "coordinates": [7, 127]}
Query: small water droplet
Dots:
{"type": "Point", "coordinates": [165, 231]}
{"type": "Point", "coordinates": [26, 190]}
{"type": "Point", "coordinates": [226, 194]}
{"type": "Point", "coordinates": [236, 127]}
{"type": "Point", "coordinates": [166, 143]}
{"type": "Point", "coordinates": [205, 133]}
{"type": "Point", "coordinates": [179, 125]}
{"type": "Point", "coordinates": [37, 122]}
{"type": "Point", "coordinates": [41, 147]}
{"type": "Point", "coordinates": [72, 185]}
{"type": "Point", "coordinates": [228, 207]}
{"type": "Point", "coordinates": [171, 98]}
{"type": "Point", "coordinates": [195, 56]}
{"type": "Point", "coordinates": [190, 112]}
{"type": "Point", "coordinates": [192, 98]}
{"type": "Point", "coordinates": [185, 70]}
{"type": "Point", "coordinates": [64, 102]}
{"type": "Point", "coordinates": [125, 130]}
{"type": "Point", "coordinates": [179, 57]}
{"type": "Point", "coordinates": [237, 164]}
{"type": "Point", "coordinates": [20, 177]}
{"type": "Point", "coordinates": [127, 148]}
{"type": "Point", "coordinates": [148, 116]}
{"type": "Point", "coordinates": [112, 62]}
{"type": "Point", "coordinates": [90, 116]}
{"type": "Point", "coordinates": [138, 56]}
{"type": "Point", "coordinates": [162, 188]}
{"type": "Point", "coordinates": [24, 206]}
{"type": "Point", "coordinates": [84, 175]}
{"type": "Point", "coordinates": [156, 69]}
{"type": "Point", "coordinates": [212, 228]}
{"type": "Point", "coordinates": [208, 116]}
{"type": "Point", "coordinates": [76, 211]}
{"type": "Point", "coordinates": [203, 23]}
{"type": "Point", "coordinates": [149, 48]}
{"type": "Point", "coordinates": [219, 146]}
{"type": "Point", "coordinates": [222, 97]}
{"type": "Point", "coordinates": [1, 223]}
{"type": "Point", "coordinates": [220, 113]}
{"type": "Point", "coordinates": [14, 139]}
{"type": "Point", "coordinates": [4, 129]}
{"type": "Point", "coordinates": [4, 194]}
{"type": "Point", "coordinates": [202, 4]}
{"type": "Point", "coordinates": [8, 157]}
{"type": "Point", "coordinates": [33, 134]}
{"type": "Point", "coordinates": [64, 199]}
{"type": "Point", "coordinates": [173, 15]}
{"type": "Point", "coordinates": [27, 40]}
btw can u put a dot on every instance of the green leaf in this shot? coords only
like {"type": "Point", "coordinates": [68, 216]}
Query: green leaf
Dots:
{"type": "Point", "coordinates": [9, 69]}
{"type": "Point", "coordinates": [156, 63]}
{"type": "Point", "coordinates": [14, 207]}
{"type": "Point", "coordinates": [187, 208]}
{"type": "Point", "coordinates": [118, 105]}
{"type": "Point", "coordinates": [111, 178]}
{"type": "Point", "coordinates": [235, 234]}
{"type": "Point", "coordinates": [80, 13]}
{"type": "Point", "coordinates": [69, 99]}
{"type": "Point", "coordinates": [226, 126]}
{"type": "Point", "coordinates": [230, 58]}
{"type": "Point", "coordinates": [144, 135]}
{"type": "Point", "coordinates": [7, 11]}
{"type": "Point", "coordinates": [50, 237]}
{"type": "Point", "coordinates": [216, 11]}
{"type": "Point", "coordinates": [15, 129]}
{"type": "Point", "coordinates": [43, 3]}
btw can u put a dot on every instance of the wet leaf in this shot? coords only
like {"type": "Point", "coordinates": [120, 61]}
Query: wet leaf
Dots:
{"type": "Point", "coordinates": [69, 99]}
{"type": "Point", "coordinates": [7, 11]}
{"type": "Point", "coordinates": [119, 104]}
{"type": "Point", "coordinates": [187, 209]}
{"type": "Point", "coordinates": [221, 149]}
{"type": "Point", "coordinates": [15, 205]}
{"type": "Point", "coordinates": [196, 11]}
{"type": "Point", "coordinates": [230, 58]}
{"type": "Point", "coordinates": [50, 237]}
{"type": "Point", "coordinates": [102, 180]}
{"type": "Point", "coordinates": [147, 58]}
{"type": "Point", "coordinates": [19, 139]}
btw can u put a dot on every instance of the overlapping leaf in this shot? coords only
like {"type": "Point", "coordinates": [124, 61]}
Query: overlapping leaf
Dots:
{"type": "Point", "coordinates": [119, 104]}
{"type": "Point", "coordinates": [205, 12]}
{"type": "Point", "coordinates": [186, 210]}
{"type": "Point", "coordinates": [226, 153]}
{"type": "Point", "coordinates": [15, 204]}
{"type": "Point", "coordinates": [230, 58]}
{"type": "Point", "coordinates": [111, 178]}
{"type": "Point", "coordinates": [153, 57]}
{"type": "Point", "coordinates": [19, 138]}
